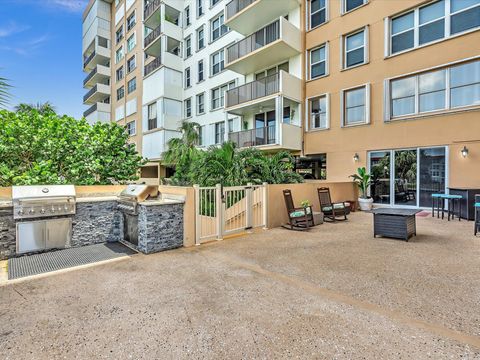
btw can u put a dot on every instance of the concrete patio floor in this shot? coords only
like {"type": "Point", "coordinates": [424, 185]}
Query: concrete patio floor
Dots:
{"type": "Point", "coordinates": [334, 292]}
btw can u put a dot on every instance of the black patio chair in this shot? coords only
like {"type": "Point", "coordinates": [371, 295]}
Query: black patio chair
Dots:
{"type": "Point", "coordinates": [332, 211]}
{"type": "Point", "coordinates": [299, 218]}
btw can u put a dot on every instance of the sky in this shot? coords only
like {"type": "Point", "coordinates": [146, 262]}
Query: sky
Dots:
{"type": "Point", "coordinates": [41, 52]}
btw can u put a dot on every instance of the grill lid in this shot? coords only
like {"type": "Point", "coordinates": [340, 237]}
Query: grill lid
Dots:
{"type": "Point", "coordinates": [139, 193]}
{"type": "Point", "coordinates": [42, 191]}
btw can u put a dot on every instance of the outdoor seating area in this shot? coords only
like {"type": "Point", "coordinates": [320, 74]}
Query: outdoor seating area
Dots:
{"type": "Point", "coordinates": [303, 217]}
{"type": "Point", "coordinates": [333, 290]}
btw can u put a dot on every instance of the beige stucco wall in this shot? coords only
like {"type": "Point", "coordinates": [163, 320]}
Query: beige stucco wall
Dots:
{"type": "Point", "coordinates": [277, 212]}
{"type": "Point", "coordinates": [137, 72]}
{"type": "Point", "coordinates": [340, 144]}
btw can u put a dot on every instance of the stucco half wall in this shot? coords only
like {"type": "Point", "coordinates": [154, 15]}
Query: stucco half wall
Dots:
{"type": "Point", "coordinates": [277, 213]}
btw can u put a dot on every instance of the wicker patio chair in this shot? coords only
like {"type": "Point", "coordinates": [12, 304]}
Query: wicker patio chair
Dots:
{"type": "Point", "coordinates": [299, 218]}
{"type": "Point", "coordinates": [332, 211]}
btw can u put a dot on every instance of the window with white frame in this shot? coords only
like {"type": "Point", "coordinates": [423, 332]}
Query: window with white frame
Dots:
{"type": "Point", "coordinates": [355, 48]}
{"type": "Point", "coordinates": [152, 116]}
{"type": "Point", "coordinates": [217, 28]}
{"type": "Point", "coordinates": [452, 87]}
{"type": "Point", "coordinates": [201, 71]}
{"type": "Point", "coordinates": [131, 128]}
{"type": "Point", "coordinates": [230, 125]}
{"type": "Point", "coordinates": [201, 136]}
{"type": "Point", "coordinates": [119, 55]}
{"type": "Point", "coordinates": [200, 103]}
{"type": "Point", "coordinates": [131, 43]}
{"type": "Point", "coordinates": [200, 38]}
{"type": "Point", "coordinates": [219, 132]}
{"type": "Point", "coordinates": [349, 5]}
{"type": "Point", "coordinates": [355, 105]}
{"type": "Point", "coordinates": [318, 12]}
{"type": "Point", "coordinates": [131, 64]}
{"type": "Point", "coordinates": [132, 85]}
{"type": "Point", "coordinates": [131, 21]}
{"type": "Point", "coordinates": [188, 82]}
{"type": "Point", "coordinates": [214, 2]}
{"type": "Point", "coordinates": [199, 8]}
{"type": "Point", "coordinates": [218, 95]}
{"type": "Point", "coordinates": [319, 112]}
{"type": "Point", "coordinates": [218, 62]}
{"type": "Point", "coordinates": [432, 22]}
{"type": "Point", "coordinates": [187, 16]}
{"type": "Point", "coordinates": [120, 93]}
{"type": "Point", "coordinates": [120, 73]}
{"type": "Point", "coordinates": [188, 46]}
{"type": "Point", "coordinates": [187, 104]}
{"type": "Point", "coordinates": [318, 62]}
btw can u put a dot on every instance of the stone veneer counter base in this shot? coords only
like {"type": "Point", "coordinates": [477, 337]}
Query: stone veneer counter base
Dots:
{"type": "Point", "coordinates": [160, 227]}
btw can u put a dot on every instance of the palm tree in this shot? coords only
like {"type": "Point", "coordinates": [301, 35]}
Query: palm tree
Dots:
{"type": "Point", "coordinates": [4, 92]}
{"type": "Point", "coordinates": [182, 152]}
{"type": "Point", "coordinates": [221, 165]}
{"type": "Point", "coordinates": [42, 108]}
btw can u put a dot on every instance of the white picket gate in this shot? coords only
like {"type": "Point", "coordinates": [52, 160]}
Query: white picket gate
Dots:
{"type": "Point", "coordinates": [221, 211]}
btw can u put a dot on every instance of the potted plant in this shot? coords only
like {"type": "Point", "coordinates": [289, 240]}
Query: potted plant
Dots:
{"type": "Point", "coordinates": [363, 181]}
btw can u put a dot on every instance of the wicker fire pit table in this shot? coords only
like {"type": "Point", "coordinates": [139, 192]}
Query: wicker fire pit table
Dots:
{"type": "Point", "coordinates": [394, 223]}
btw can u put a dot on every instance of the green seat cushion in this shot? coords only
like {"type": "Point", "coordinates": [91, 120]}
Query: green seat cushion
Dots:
{"type": "Point", "coordinates": [298, 213]}
{"type": "Point", "coordinates": [335, 206]}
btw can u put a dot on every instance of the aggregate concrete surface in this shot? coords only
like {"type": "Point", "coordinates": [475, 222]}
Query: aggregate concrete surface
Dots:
{"type": "Point", "coordinates": [334, 292]}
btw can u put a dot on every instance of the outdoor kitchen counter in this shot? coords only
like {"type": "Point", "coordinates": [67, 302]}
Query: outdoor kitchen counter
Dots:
{"type": "Point", "coordinates": [160, 225]}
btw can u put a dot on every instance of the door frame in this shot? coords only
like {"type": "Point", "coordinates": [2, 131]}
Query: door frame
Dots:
{"type": "Point", "coordinates": [392, 173]}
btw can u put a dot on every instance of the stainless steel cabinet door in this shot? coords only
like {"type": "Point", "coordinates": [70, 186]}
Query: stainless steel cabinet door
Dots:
{"type": "Point", "coordinates": [59, 233]}
{"type": "Point", "coordinates": [30, 236]}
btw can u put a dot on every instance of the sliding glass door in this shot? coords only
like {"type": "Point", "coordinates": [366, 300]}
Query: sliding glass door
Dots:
{"type": "Point", "coordinates": [407, 177]}
{"type": "Point", "coordinates": [432, 174]}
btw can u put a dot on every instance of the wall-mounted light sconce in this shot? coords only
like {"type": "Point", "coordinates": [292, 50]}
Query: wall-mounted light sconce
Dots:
{"type": "Point", "coordinates": [464, 152]}
{"type": "Point", "coordinates": [356, 157]}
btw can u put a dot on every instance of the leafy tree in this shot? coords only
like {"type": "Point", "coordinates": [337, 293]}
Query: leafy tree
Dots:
{"type": "Point", "coordinates": [4, 92]}
{"type": "Point", "coordinates": [52, 149]}
{"type": "Point", "coordinates": [43, 109]}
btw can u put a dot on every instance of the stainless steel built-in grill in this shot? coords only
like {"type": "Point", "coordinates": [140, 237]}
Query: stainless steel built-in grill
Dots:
{"type": "Point", "coordinates": [43, 201]}
{"type": "Point", "coordinates": [128, 204]}
{"type": "Point", "coordinates": [134, 194]}
{"type": "Point", "coordinates": [52, 207]}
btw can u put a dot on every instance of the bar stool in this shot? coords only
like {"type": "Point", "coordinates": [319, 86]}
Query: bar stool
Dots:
{"type": "Point", "coordinates": [453, 200]}
{"type": "Point", "coordinates": [436, 198]}
{"type": "Point", "coordinates": [477, 215]}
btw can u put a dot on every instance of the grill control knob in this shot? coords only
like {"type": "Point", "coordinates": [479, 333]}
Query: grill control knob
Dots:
{"type": "Point", "coordinates": [31, 211]}
{"type": "Point", "coordinates": [52, 209]}
{"type": "Point", "coordinates": [42, 211]}
{"type": "Point", "coordinates": [21, 212]}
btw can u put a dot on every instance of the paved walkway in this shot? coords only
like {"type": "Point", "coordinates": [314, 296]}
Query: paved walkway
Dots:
{"type": "Point", "coordinates": [334, 292]}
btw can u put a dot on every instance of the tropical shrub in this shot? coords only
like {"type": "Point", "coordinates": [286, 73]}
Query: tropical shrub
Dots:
{"type": "Point", "coordinates": [225, 164]}
{"type": "Point", "coordinates": [53, 149]}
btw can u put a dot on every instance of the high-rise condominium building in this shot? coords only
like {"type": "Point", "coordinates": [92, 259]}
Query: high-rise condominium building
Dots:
{"type": "Point", "coordinates": [394, 86]}
{"type": "Point", "coordinates": [233, 67]}
{"type": "Point", "coordinates": [390, 85]}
